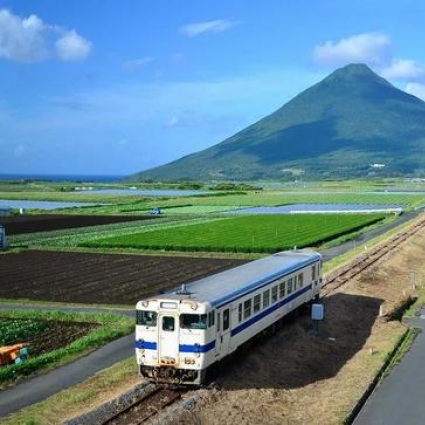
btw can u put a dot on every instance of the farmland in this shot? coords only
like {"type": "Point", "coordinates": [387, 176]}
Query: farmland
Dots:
{"type": "Point", "coordinates": [253, 233]}
{"type": "Point", "coordinates": [97, 278]}
{"type": "Point", "coordinates": [15, 225]}
{"type": "Point", "coordinates": [214, 202]}
{"type": "Point", "coordinates": [55, 337]}
{"type": "Point", "coordinates": [42, 336]}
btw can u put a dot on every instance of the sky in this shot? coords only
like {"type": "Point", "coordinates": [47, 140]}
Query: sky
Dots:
{"type": "Point", "coordinates": [102, 87]}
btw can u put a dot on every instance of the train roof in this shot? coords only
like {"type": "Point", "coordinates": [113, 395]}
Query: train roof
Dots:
{"type": "Point", "coordinates": [225, 286]}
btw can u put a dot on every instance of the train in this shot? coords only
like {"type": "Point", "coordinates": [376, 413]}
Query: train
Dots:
{"type": "Point", "coordinates": [183, 334]}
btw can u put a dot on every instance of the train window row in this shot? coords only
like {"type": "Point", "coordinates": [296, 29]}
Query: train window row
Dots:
{"type": "Point", "coordinates": [280, 289]}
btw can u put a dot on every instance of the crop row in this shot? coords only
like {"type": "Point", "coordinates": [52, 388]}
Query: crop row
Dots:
{"type": "Point", "coordinates": [14, 330]}
{"type": "Point", "coordinates": [253, 233]}
{"type": "Point", "coordinates": [77, 236]}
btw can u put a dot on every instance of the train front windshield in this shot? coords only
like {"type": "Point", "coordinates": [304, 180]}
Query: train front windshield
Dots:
{"type": "Point", "coordinates": [193, 321]}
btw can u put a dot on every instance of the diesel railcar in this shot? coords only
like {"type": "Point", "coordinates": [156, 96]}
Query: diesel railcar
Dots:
{"type": "Point", "coordinates": [181, 335]}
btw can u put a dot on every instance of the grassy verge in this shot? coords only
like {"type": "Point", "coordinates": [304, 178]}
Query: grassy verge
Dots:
{"type": "Point", "coordinates": [363, 247]}
{"type": "Point", "coordinates": [110, 327]}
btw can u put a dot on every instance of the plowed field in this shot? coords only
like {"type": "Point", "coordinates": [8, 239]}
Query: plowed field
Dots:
{"type": "Point", "coordinates": [98, 278]}
{"type": "Point", "coordinates": [15, 225]}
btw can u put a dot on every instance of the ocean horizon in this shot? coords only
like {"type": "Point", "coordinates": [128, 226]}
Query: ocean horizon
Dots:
{"type": "Point", "coordinates": [65, 177]}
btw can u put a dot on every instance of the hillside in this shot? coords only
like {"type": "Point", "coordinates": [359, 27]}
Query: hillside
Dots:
{"type": "Point", "coordinates": [353, 123]}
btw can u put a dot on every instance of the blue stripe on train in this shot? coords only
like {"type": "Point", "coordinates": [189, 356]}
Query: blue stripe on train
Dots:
{"type": "Point", "coordinates": [146, 345]}
{"type": "Point", "coordinates": [184, 348]}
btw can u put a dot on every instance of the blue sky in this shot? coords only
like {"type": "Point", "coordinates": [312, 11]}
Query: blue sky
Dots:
{"type": "Point", "coordinates": [116, 87]}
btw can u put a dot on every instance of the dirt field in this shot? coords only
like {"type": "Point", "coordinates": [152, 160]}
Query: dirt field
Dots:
{"type": "Point", "coordinates": [297, 377]}
{"type": "Point", "coordinates": [97, 278]}
{"type": "Point", "coordinates": [15, 225]}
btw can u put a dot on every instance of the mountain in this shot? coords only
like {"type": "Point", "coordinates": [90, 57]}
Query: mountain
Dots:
{"type": "Point", "coordinates": [351, 124]}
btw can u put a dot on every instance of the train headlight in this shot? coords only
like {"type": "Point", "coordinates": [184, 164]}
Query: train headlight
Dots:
{"type": "Point", "coordinates": [145, 303]}
{"type": "Point", "coordinates": [193, 305]}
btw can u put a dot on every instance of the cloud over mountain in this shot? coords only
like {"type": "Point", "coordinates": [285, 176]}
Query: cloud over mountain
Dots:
{"type": "Point", "coordinates": [371, 48]}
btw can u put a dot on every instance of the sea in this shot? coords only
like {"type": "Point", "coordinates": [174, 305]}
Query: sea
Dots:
{"type": "Point", "coordinates": [65, 177]}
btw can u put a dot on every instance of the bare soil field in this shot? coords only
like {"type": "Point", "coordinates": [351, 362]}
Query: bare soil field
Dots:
{"type": "Point", "coordinates": [15, 225]}
{"type": "Point", "coordinates": [98, 278]}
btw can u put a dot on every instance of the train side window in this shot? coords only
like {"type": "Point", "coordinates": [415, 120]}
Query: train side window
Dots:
{"type": "Point", "coordinates": [300, 280]}
{"type": "Point", "coordinates": [257, 303]}
{"type": "Point", "coordinates": [289, 285]}
{"type": "Point", "coordinates": [193, 321]}
{"type": "Point", "coordinates": [240, 312]}
{"type": "Point", "coordinates": [313, 272]}
{"type": "Point", "coordinates": [266, 298]}
{"type": "Point", "coordinates": [247, 308]}
{"type": "Point", "coordinates": [274, 294]}
{"type": "Point", "coordinates": [282, 289]}
{"type": "Point", "coordinates": [218, 321]}
{"type": "Point", "coordinates": [226, 319]}
{"type": "Point", "coordinates": [168, 324]}
{"type": "Point", "coordinates": [211, 316]}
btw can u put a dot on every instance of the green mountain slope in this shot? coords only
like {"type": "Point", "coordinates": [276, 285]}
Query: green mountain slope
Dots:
{"type": "Point", "coordinates": [341, 127]}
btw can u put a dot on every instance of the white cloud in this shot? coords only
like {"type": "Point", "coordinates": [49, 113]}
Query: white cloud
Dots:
{"type": "Point", "coordinates": [137, 63]}
{"type": "Point", "coordinates": [371, 48]}
{"type": "Point", "coordinates": [404, 69]}
{"type": "Point", "coordinates": [73, 47]}
{"type": "Point", "coordinates": [22, 40]}
{"type": "Point", "coordinates": [216, 26]}
{"type": "Point", "coordinates": [30, 40]}
{"type": "Point", "coordinates": [416, 89]}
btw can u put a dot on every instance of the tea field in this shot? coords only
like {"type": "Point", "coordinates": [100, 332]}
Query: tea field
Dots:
{"type": "Point", "coordinates": [253, 233]}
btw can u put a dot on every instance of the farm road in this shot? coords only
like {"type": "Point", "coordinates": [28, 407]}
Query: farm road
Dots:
{"type": "Point", "coordinates": [399, 397]}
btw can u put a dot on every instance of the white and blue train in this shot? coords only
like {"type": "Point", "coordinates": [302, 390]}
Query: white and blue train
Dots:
{"type": "Point", "coordinates": [183, 334]}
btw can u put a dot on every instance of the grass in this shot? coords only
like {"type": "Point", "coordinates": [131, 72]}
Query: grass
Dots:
{"type": "Point", "coordinates": [111, 327]}
{"type": "Point", "coordinates": [250, 233]}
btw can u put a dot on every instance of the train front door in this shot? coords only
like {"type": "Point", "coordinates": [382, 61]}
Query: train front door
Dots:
{"type": "Point", "coordinates": [222, 343]}
{"type": "Point", "coordinates": [168, 339]}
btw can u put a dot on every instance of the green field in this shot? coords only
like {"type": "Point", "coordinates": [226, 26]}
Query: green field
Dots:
{"type": "Point", "coordinates": [252, 233]}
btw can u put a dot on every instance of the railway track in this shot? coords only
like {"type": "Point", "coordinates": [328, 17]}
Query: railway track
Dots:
{"type": "Point", "coordinates": [362, 262]}
{"type": "Point", "coordinates": [146, 406]}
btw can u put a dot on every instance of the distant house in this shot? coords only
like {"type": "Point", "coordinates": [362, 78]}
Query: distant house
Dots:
{"type": "Point", "coordinates": [377, 165]}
